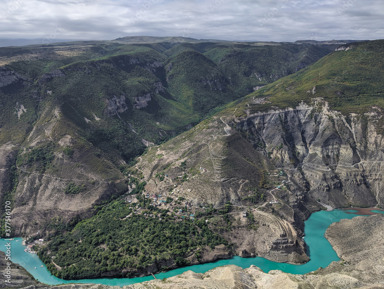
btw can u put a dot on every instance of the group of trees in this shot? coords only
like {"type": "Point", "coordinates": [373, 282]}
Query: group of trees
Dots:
{"type": "Point", "coordinates": [120, 241]}
{"type": "Point", "coordinates": [41, 157]}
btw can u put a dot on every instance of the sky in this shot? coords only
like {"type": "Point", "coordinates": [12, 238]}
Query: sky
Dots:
{"type": "Point", "coordinates": [244, 20]}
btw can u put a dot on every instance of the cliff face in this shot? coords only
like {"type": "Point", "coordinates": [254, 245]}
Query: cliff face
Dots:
{"type": "Point", "coordinates": [41, 200]}
{"type": "Point", "coordinates": [329, 157]}
{"type": "Point", "coordinates": [326, 156]}
{"type": "Point", "coordinates": [282, 164]}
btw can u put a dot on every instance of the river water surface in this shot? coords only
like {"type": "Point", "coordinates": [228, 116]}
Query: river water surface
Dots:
{"type": "Point", "coordinates": [320, 251]}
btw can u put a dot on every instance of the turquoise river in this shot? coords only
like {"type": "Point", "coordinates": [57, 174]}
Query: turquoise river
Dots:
{"type": "Point", "coordinates": [320, 251]}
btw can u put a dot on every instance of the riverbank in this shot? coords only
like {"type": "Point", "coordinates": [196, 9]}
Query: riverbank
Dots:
{"type": "Point", "coordinates": [363, 211]}
{"type": "Point", "coordinates": [362, 265]}
{"type": "Point", "coordinates": [14, 276]}
{"type": "Point", "coordinates": [358, 241]}
{"type": "Point", "coordinates": [322, 254]}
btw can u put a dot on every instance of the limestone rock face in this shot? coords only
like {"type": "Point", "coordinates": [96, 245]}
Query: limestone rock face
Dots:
{"type": "Point", "coordinates": [8, 77]}
{"type": "Point", "coordinates": [39, 198]}
{"type": "Point", "coordinates": [116, 105]}
{"type": "Point", "coordinates": [360, 244]}
{"type": "Point", "coordinates": [300, 159]}
{"type": "Point", "coordinates": [335, 159]}
{"type": "Point", "coordinates": [51, 75]}
{"type": "Point", "coordinates": [142, 101]}
{"type": "Point", "coordinates": [228, 277]}
{"type": "Point", "coordinates": [328, 157]}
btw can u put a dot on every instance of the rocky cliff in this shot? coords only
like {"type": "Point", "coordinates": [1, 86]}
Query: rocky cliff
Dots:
{"type": "Point", "coordinates": [329, 157]}
{"type": "Point", "coordinates": [311, 140]}
{"type": "Point", "coordinates": [299, 159]}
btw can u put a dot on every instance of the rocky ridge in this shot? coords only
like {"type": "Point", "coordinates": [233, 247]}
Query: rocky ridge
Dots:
{"type": "Point", "coordinates": [328, 156]}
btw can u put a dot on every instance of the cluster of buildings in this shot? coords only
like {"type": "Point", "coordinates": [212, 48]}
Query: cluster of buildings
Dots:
{"type": "Point", "coordinates": [29, 248]}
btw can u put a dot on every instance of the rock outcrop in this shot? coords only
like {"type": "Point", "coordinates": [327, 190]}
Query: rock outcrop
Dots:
{"type": "Point", "coordinates": [8, 77]}
{"type": "Point", "coordinates": [360, 245]}
{"type": "Point", "coordinates": [38, 187]}
{"type": "Point", "coordinates": [116, 105]}
{"type": "Point", "coordinates": [332, 158]}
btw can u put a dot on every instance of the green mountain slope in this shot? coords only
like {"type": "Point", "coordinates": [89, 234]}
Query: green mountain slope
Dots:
{"type": "Point", "coordinates": [349, 79]}
{"type": "Point", "coordinates": [142, 93]}
{"type": "Point", "coordinates": [77, 115]}
{"type": "Point", "coordinates": [256, 170]}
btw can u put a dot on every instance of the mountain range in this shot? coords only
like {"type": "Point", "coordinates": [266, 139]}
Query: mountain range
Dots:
{"type": "Point", "coordinates": [197, 150]}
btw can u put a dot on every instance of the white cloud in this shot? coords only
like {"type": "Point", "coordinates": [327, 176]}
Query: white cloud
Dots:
{"type": "Point", "coordinates": [276, 20]}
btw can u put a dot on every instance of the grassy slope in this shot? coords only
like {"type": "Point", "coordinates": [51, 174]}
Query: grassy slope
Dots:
{"type": "Point", "coordinates": [255, 66]}
{"type": "Point", "coordinates": [351, 81]}
{"type": "Point", "coordinates": [185, 81]}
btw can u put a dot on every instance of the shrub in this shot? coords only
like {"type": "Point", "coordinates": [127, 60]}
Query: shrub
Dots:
{"type": "Point", "coordinates": [73, 189]}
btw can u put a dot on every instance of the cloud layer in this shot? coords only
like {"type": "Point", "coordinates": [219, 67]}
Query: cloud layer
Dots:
{"type": "Point", "coordinates": [271, 20]}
